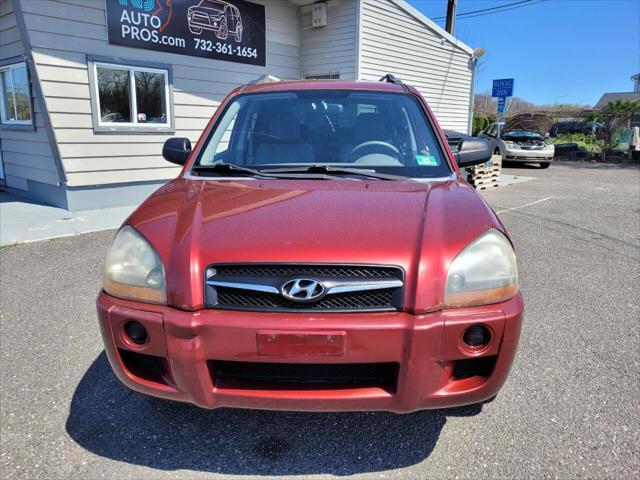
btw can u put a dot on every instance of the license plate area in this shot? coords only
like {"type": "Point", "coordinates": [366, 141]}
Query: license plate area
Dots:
{"type": "Point", "coordinates": [301, 344]}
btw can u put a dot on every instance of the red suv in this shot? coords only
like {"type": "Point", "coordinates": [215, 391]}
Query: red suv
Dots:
{"type": "Point", "coordinates": [319, 251]}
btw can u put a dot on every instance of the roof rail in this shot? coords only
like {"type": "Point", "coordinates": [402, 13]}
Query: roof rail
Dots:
{"type": "Point", "coordinates": [390, 78]}
{"type": "Point", "coordinates": [264, 79]}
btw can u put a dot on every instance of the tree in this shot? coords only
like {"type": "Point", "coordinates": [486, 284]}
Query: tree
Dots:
{"type": "Point", "coordinates": [614, 117]}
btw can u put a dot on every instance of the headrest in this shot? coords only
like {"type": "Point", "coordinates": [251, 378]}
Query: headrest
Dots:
{"type": "Point", "coordinates": [286, 127]}
{"type": "Point", "coordinates": [368, 127]}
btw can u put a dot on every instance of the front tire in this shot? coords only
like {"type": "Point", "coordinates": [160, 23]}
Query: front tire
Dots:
{"type": "Point", "coordinates": [223, 31]}
{"type": "Point", "coordinates": [195, 30]}
{"type": "Point", "coordinates": [544, 164]}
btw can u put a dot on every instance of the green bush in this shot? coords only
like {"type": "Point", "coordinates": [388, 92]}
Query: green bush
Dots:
{"type": "Point", "coordinates": [480, 122]}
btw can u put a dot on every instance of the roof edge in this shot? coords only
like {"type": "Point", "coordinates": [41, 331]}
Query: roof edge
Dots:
{"type": "Point", "coordinates": [432, 25]}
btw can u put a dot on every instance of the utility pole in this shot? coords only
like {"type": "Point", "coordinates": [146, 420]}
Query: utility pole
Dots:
{"type": "Point", "coordinates": [451, 16]}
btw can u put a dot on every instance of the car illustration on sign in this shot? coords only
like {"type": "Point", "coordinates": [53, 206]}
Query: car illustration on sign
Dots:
{"type": "Point", "coordinates": [222, 18]}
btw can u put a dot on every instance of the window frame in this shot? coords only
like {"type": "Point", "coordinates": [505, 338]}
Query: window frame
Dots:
{"type": "Point", "coordinates": [131, 66]}
{"type": "Point", "coordinates": [332, 75]}
{"type": "Point", "coordinates": [207, 136]}
{"type": "Point", "coordinates": [10, 64]}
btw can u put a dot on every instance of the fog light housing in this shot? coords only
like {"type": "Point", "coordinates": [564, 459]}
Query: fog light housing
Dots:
{"type": "Point", "coordinates": [476, 337]}
{"type": "Point", "coordinates": [136, 332]}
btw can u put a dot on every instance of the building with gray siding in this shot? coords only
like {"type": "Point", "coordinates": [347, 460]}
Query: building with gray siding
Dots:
{"type": "Point", "coordinates": [84, 114]}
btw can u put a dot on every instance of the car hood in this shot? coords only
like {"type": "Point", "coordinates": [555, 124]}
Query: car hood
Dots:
{"type": "Point", "coordinates": [417, 226]}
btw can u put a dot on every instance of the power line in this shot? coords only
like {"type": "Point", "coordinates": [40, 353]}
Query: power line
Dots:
{"type": "Point", "coordinates": [496, 9]}
{"type": "Point", "coordinates": [504, 10]}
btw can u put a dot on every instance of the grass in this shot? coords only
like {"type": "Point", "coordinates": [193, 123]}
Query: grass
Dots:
{"type": "Point", "coordinates": [585, 141]}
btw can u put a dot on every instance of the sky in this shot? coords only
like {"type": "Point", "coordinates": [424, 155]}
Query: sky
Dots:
{"type": "Point", "coordinates": [558, 51]}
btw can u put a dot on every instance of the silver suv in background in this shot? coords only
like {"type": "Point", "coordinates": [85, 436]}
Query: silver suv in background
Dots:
{"type": "Point", "coordinates": [519, 145]}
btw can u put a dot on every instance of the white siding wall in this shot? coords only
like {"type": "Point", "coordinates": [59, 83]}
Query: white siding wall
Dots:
{"type": "Point", "coordinates": [395, 42]}
{"type": "Point", "coordinates": [330, 49]}
{"type": "Point", "coordinates": [26, 154]}
{"type": "Point", "coordinates": [61, 33]}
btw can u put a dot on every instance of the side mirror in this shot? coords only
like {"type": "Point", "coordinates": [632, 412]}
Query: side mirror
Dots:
{"type": "Point", "coordinates": [177, 150]}
{"type": "Point", "coordinates": [473, 151]}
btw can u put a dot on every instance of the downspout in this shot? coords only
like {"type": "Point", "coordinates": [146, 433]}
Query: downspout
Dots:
{"type": "Point", "coordinates": [474, 64]}
{"type": "Point", "coordinates": [358, 38]}
{"type": "Point", "coordinates": [37, 89]}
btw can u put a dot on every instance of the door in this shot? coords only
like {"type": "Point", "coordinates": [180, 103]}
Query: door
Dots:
{"type": "Point", "coordinates": [490, 133]}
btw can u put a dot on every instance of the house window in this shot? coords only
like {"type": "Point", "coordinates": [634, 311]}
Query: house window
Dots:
{"type": "Point", "coordinates": [131, 98]}
{"type": "Point", "coordinates": [15, 96]}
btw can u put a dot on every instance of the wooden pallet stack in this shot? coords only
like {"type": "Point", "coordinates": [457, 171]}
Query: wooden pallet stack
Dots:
{"type": "Point", "coordinates": [485, 175]}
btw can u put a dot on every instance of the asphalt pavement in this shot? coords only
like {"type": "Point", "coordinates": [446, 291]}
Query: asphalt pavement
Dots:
{"type": "Point", "coordinates": [570, 409]}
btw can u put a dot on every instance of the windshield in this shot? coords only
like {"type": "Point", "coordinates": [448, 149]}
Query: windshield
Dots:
{"type": "Point", "coordinates": [523, 133]}
{"type": "Point", "coordinates": [381, 132]}
{"type": "Point", "coordinates": [212, 4]}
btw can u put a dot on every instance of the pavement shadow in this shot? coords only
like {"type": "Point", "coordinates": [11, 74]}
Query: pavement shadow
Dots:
{"type": "Point", "coordinates": [572, 164]}
{"type": "Point", "coordinates": [598, 165]}
{"type": "Point", "coordinates": [109, 420]}
{"type": "Point", "coordinates": [6, 197]}
{"type": "Point", "coordinates": [521, 165]}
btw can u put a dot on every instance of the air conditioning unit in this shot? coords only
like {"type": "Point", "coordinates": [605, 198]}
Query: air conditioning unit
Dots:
{"type": "Point", "coordinates": [319, 15]}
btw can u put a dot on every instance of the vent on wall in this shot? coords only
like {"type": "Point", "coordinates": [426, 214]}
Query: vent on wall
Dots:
{"type": "Point", "coordinates": [319, 15]}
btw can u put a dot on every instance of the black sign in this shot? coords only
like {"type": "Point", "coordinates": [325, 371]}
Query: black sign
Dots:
{"type": "Point", "coordinates": [231, 30]}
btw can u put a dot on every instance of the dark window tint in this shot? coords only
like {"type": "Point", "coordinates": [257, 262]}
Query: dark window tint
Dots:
{"type": "Point", "coordinates": [150, 97]}
{"type": "Point", "coordinates": [388, 132]}
{"type": "Point", "coordinates": [113, 91]}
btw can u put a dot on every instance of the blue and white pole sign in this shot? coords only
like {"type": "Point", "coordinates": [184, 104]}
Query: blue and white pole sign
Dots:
{"type": "Point", "coordinates": [502, 88]}
{"type": "Point", "coordinates": [501, 102]}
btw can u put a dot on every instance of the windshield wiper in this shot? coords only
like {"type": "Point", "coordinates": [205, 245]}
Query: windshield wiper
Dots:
{"type": "Point", "coordinates": [326, 169]}
{"type": "Point", "coordinates": [236, 170]}
{"type": "Point", "coordinates": [226, 168]}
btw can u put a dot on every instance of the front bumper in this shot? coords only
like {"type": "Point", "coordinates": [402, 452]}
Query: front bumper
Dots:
{"type": "Point", "coordinates": [528, 155]}
{"type": "Point", "coordinates": [425, 348]}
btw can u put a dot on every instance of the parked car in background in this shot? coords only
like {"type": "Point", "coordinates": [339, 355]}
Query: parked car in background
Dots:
{"type": "Point", "coordinates": [519, 145]}
{"type": "Point", "coordinates": [319, 251]}
{"type": "Point", "coordinates": [569, 127]}
{"type": "Point", "coordinates": [564, 128]}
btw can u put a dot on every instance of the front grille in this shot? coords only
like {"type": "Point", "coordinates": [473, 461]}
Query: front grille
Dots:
{"type": "Point", "coordinates": [346, 271]}
{"type": "Point", "coordinates": [243, 299]}
{"type": "Point", "coordinates": [275, 276]}
{"type": "Point", "coordinates": [258, 375]}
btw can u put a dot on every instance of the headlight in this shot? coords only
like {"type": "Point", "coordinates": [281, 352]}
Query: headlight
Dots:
{"type": "Point", "coordinates": [133, 269]}
{"type": "Point", "coordinates": [511, 145]}
{"type": "Point", "coordinates": [549, 147]}
{"type": "Point", "coordinates": [484, 272]}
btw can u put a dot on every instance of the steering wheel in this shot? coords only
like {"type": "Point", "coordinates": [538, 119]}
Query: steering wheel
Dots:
{"type": "Point", "coordinates": [376, 146]}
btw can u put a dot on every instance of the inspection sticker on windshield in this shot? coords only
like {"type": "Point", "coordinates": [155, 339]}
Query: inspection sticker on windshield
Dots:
{"type": "Point", "coordinates": [427, 160]}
